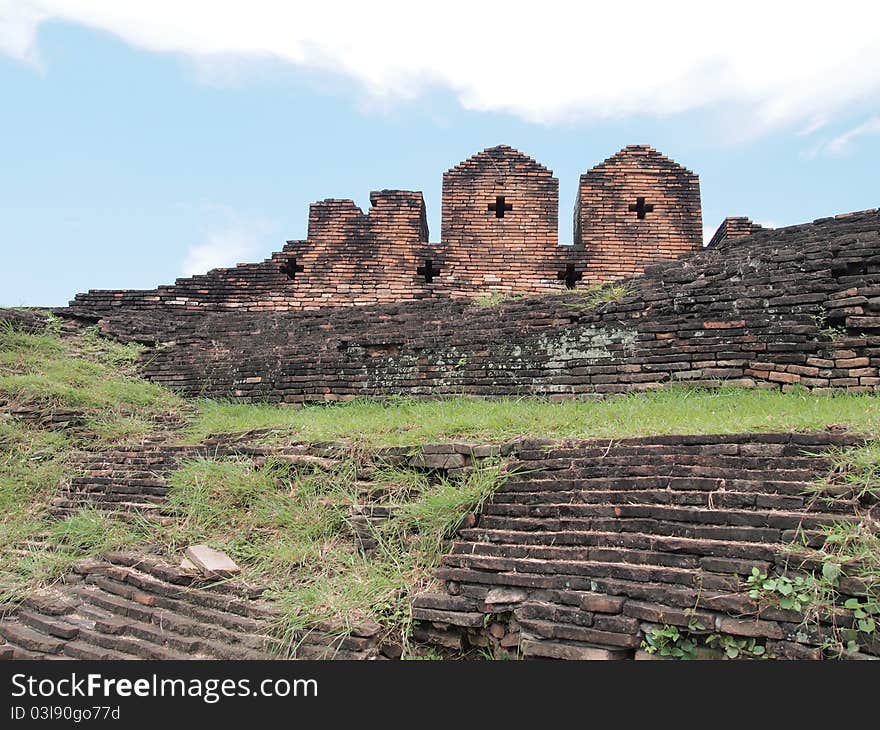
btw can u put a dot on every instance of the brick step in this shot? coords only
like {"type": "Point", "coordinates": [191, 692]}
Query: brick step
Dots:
{"type": "Point", "coordinates": [29, 639]}
{"type": "Point", "coordinates": [157, 629]}
{"type": "Point", "coordinates": [709, 447]}
{"type": "Point", "coordinates": [655, 527]}
{"type": "Point", "coordinates": [667, 594]}
{"type": "Point", "coordinates": [135, 478]}
{"type": "Point", "coordinates": [611, 555]}
{"type": "Point", "coordinates": [770, 484]}
{"type": "Point", "coordinates": [90, 486]}
{"type": "Point", "coordinates": [105, 496]}
{"type": "Point", "coordinates": [121, 502]}
{"type": "Point", "coordinates": [138, 604]}
{"type": "Point", "coordinates": [139, 644]}
{"type": "Point", "coordinates": [594, 569]}
{"type": "Point", "coordinates": [571, 632]}
{"type": "Point", "coordinates": [778, 519]}
{"type": "Point", "coordinates": [707, 499]}
{"type": "Point", "coordinates": [543, 610]}
{"type": "Point", "coordinates": [651, 496]}
{"type": "Point", "coordinates": [208, 637]}
{"type": "Point", "coordinates": [702, 547]}
{"type": "Point", "coordinates": [82, 650]}
{"type": "Point", "coordinates": [535, 648]}
{"type": "Point", "coordinates": [677, 464]}
{"type": "Point", "coordinates": [161, 633]}
{"type": "Point", "coordinates": [59, 627]}
{"type": "Point", "coordinates": [175, 576]}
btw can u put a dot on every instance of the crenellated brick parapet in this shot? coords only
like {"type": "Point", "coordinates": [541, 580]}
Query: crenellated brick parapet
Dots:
{"type": "Point", "coordinates": [499, 235]}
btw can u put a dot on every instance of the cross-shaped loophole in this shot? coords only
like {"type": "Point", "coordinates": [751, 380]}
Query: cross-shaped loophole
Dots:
{"type": "Point", "coordinates": [499, 207]}
{"type": "Point", "coordinates": [570, 276]}
{"type": "Point", "coordinates": [429, 271]}
{"type": "Point", "coordinates": [291, 268]}
{"type": "Point", "coordinates": [640, 207]}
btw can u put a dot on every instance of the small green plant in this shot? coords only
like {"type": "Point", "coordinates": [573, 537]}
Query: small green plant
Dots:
{"type": "Point", "coordinates": [826, 330]}
{"type": "Point", "coordinates": [791, 594]}
{"type": "Point", "coordinates": [593, 296]}
{"type": "Point", "coordinates": [670, 642]}
{"type": "Point", "coordinates": [493, 300]}
{"type": "Point", "coordinates": [855, 475]}
{"type": "Point", "coordinates": [737, 647]}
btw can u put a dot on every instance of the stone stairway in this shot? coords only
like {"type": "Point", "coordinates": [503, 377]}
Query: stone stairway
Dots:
{"type": "Point", "coordinates": [590, 542]}
{"type": "Point", "coordinates": [134, 478]}
{"type": "Point", "coordinates": [132, 606]}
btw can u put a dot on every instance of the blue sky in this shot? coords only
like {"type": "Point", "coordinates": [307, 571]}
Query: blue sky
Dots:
{"type": "Point", "coordinates": [127, 162]}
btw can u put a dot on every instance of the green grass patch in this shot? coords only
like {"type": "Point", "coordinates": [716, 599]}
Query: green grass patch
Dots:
{"type": "Point", "coordinates": [84, 373]}
{"type": "Point", "coordinates": [95, 378]}
{"type": "Point", "coordinates": [290, 530]}
{"type": "Point", "coordinates": [669, 411]}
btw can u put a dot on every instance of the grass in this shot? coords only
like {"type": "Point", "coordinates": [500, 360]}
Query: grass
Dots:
{"type": "Point", "coordinates": [47, 372]}
{"type": "Point", "coordinates": [291, 531]}
{"type": "Point", "coordinates": [407, 421]}
{"type": "Point", "coordinates": [584, 298]}
{"type": "Point", "coordinates": [86, 374]}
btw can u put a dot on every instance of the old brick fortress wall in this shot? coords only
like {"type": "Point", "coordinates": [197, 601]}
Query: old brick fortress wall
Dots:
{"type": "Point", "coordinates": [777, 309]}
{"type": "Point", "coordinates": [499, 235]}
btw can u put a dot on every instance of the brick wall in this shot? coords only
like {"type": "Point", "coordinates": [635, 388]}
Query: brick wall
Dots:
{"type": "Point", "coordinates": [734, 227]}
{"type": "Point", "coordinates": [499, 235]}
{"type": "Point", "coordinates": [780, 308]}
{"type": "Point", "coordinates": [499, 225]}
{"type": "Point", "coordinates": [634, 209]}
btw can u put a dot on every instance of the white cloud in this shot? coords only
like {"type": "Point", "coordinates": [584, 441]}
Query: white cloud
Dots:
{"type": "Point", "coordinates": [770, 64]}
{"type": "Point", "coordinates": [843, 143]}
{"type": "Point", "coordinates": [236, 242]}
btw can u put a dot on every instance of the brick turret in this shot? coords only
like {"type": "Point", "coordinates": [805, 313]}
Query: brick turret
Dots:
{"type": "Point", "coordinates": [636, 208]}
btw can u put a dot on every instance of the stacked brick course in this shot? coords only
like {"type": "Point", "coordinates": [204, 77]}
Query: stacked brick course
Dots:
{"type": "Point", "coordinates": [499, 235]}
{"type": "Point", "coordinates": [135, 606]}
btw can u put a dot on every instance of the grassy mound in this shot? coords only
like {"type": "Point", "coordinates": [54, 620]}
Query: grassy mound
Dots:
{"type": "Point", "coordinates": [290, 528]}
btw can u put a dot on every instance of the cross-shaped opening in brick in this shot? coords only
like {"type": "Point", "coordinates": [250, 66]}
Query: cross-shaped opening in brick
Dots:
{"type": "Point", "coordinates": [499, 207]}
{"type": "Point", "coordinates": [570, 275]}
{"type": "Point", "coordinates": [640, 207]}
{"type": "Point", "coordinates": [291, 268]}
{"type": "Point", "coordinates": [429, 271]}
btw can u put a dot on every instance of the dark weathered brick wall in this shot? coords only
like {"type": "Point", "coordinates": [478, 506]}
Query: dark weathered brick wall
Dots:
{"type": "Point", "coordinates": [792, 306]}
{"type": "Point", "coordinates": [354, 258]}
{"type": "Point", "coordinates": [634, 209]}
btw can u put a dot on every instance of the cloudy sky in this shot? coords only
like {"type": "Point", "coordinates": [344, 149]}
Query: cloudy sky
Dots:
{"type": "Point", "coordinates": [144, 140]}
